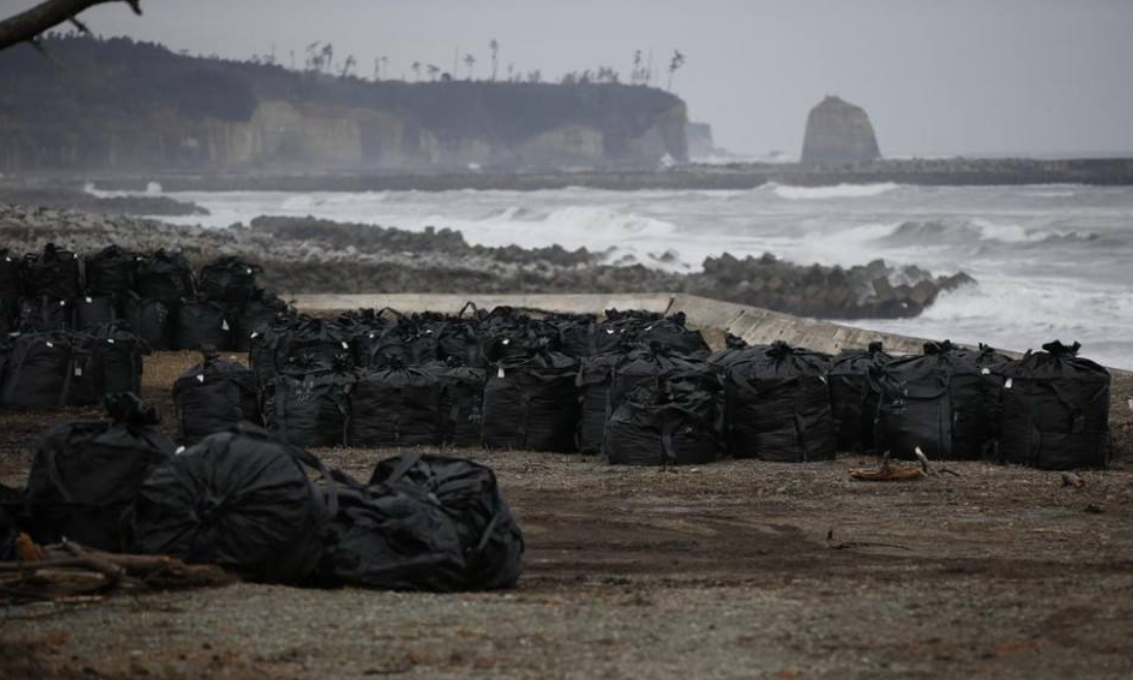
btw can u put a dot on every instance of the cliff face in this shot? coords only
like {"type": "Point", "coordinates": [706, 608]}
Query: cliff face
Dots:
{"type": "Point", "coordinates": [839, 132]}
{"type": "Point", "coordinates": [122, 106]}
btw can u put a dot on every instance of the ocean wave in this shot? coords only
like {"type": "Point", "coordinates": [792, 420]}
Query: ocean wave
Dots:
{"type": "Point", "coordinates": [796, 193]}
{"type": "Point", "coordinates": [605, 222]}
{"type": "Point", "coordinates": [978, 231]}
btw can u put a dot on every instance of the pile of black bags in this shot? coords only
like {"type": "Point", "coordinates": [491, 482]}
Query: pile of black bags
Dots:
{"type": "Point", "coordinates": [265, 509]}
{"type": "Point", "coordinates": [156, 295]}
{"type": "Point", "coordinates": [503, 379]}
{"type": "Point", "coordinates": [69, 368]}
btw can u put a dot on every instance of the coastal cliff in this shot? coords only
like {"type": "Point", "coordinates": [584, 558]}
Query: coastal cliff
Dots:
{"type": "Point", "coordinates": [118, 106]}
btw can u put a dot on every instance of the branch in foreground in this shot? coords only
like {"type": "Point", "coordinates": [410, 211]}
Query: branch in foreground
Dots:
{"type": "Point", "coordinates": [28, 25]}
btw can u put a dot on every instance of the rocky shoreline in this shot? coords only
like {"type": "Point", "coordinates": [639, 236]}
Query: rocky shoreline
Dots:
{"type": "Point", "coordinates": [308, 255]}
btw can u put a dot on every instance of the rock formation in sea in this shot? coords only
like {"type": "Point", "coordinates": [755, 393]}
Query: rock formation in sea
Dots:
{"type": "Point", "coordinates": [839, 132]}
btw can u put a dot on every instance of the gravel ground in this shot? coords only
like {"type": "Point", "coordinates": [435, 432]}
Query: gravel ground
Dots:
{"type": "Point", "coordinates": [741, 569]}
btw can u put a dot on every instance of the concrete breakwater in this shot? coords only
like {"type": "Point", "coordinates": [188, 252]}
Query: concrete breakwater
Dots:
{"type": "Point", "coordinates": [308, 256]}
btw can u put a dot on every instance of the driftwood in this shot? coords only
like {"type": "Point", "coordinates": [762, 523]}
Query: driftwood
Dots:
{"type": "Point", "coordinates": [61, 572]}
{"type": "Point", "coordinates": [887, 472]}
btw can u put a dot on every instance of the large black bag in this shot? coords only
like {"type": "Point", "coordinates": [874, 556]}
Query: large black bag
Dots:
{"type": "Point", "coordinates": [119, 359]}
{"type": "Point", "coordinates": [532, 404]}
{"type": "Point", "coordinates": [853, 399]}
{"type": "Point", "coordinates": [39, 371]}
{"type": "Point", "coordinates": [164, 276]}
{"type": "Point", "coordinates": [200, 323]}
{"type": "Point", "coordinates": [316, 341]}
{"type": "Point", "coordinates": [308, 410]}
{"type": "Point", "coordinates": [778, 405]}
{"type": "Point", "coordinates": [595, 382]}
{"type": "Point", "coordinates": [462, 397]}
{"type": "Point", "coordinates": [45, 315]}
{"type": "Point", "coordinates": [671, 332]}
{"type": "Point", "coordinates": [111, 272]}
{"type": "Point", "coordinates": [92, 312]}
{"type": "Point", "coordinates": [151, 320]}
{"type": "Point", "coordinates": [391, 537]}
{"type": "Point", "coordinates": [395, 406]}
{"type": "Point", "coordinates": [470, 495]}
{"type": "Point", "coordinates": [229, 280]}
{"type": "Point", "coordinates": [1055, 410]}
{"type": "Point", "coordinates": [213, 396]}
{"type": "Point", "coordinates": [56, 274]}
{"type": "Point", "coordinates": [240, 499]}
{"type": "Point", "coordinates": [646, 365]}
{"type": "Point", "coordinates": [676, 420]}
{"type": "Point", "coordinates": [86, 474]}
{"type": "Point", "coordinates": [11, 287]}
{"type": "Point", "coordinates": [9, 316]}
{"type": "Point", "coordinates": [259, 314]}
{"type": "Point", "coordinates": [939, 402]}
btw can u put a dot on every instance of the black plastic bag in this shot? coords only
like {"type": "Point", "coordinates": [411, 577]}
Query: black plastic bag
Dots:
{"type": "Point", "coordinates": [397, 406]}
{"type": "Point", "coordinates": [853, 399]}
{"type": "Point", "coordinates": [470, 495]}
{"type": "Point", "coordinates": [671, 332]}
{"type": "Point", "coordinates": [92, 312]}
{"type": "Point", "coordinates": [1055, 410]}
{"type": "Point", "coordinates": [229, 280]}
{"type": "Point", "coordinates": [462, 398]}
{"type": "Point", "coordinates": [45, 315]}
{"type": "Point", "coordinates": [200, 323]}
{"type": "Point", "coordinates": [532, 404]}
{"type": "Point", "coordinates": [111, 272]}
{"type": "Point", "coordinates": [151, 320]}
{"type": "Point", "coordinates": [646, 365]}
{"type": "Point", "coordinates": [314, 341]}
{"type": "Point", "coordinates": [676, 420]}
{"type": "Point", "coordinates": [214, 396]}
{"type": "Point", "coordinates": [308, 410]}
{"type": "Point", "coordinates": [11, 286]}
{"type": "Point", "coordinates": [164, 276]}
{"type": "Point", "coordinates": [595, 382]}
{"type": "Point", "coordinates": [55, 273]}
{"type": "Point", "coordinates": [87, 474]}
{"type": "Point", "coordinates": [940, 402]}
{"type": "Point", "coordinates": [240, 499]}
{"type": "Point", "coordinates": [119, 359]}
{"type": "Point", "coordinates": [259, 314]}
{"type": "Point", "coordinates": [778, 405]}
{"type": "Point", "coordinates": [39, 371]}
{"type": "Point", "coordinates": [391, 537]}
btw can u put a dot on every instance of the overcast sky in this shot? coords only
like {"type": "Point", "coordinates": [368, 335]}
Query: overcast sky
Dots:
{"type": "Point", "coordinates": [936, 76]}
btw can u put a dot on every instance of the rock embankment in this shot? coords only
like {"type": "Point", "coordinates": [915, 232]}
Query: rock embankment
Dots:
{"type": "Point", "coordinates": [307, 255]}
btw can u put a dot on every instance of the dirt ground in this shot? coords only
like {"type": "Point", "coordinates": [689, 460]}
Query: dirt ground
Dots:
{"type": "Point", "coordinates": [740, 569]}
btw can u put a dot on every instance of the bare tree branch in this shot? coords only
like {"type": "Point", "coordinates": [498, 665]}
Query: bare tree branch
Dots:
{"type": "Point", "coordinates": [27, 26]}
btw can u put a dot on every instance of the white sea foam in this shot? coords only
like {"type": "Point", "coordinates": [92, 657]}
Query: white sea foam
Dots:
{"type": "Point", "coordinates": [795, 193]}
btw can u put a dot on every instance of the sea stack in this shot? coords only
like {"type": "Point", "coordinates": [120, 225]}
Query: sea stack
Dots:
{"type": "Point", "coordinates": [839, 132]}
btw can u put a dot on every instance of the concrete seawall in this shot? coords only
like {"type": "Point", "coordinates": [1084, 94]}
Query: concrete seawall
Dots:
{"type": "Point", "coordinates": [755, 325]}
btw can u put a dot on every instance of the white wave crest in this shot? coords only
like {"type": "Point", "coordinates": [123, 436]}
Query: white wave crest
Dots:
{"type": "Point", "coordinates": [794, 193]}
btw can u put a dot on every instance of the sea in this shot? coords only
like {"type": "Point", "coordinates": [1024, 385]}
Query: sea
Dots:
{"type": "Point", "coordinates": [1051, 261]}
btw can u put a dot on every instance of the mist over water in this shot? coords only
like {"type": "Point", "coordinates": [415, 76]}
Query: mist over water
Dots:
{"type": "Point", "coordinates": [1052, 261]}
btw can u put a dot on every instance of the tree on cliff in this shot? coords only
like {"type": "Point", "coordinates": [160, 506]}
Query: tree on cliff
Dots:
{"type": "Point", "coordinates": [675, 65]}
{"type": "Point", "coordinates": [495, 47]}
{"type": "Point", "coordinates": [470, 62]}
{"type": "Point", "coordinates": [27, 26]}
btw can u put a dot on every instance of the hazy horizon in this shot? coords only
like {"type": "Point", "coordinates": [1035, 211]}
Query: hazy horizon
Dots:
{"type": "Point", "coordinates": [1025, 77]}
